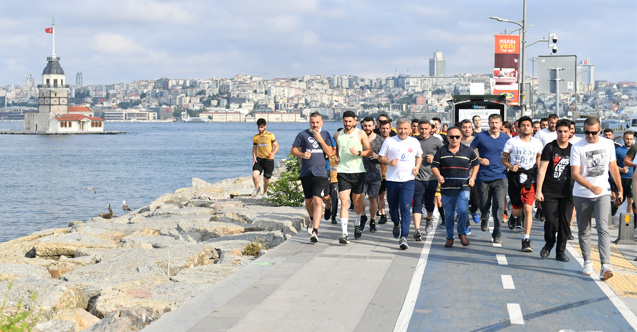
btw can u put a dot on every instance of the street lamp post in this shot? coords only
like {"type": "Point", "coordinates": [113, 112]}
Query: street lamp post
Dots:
{"type": "Point", "coordinates": [522, 25]}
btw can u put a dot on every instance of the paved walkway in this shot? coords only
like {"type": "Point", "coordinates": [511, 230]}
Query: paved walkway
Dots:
{"type": "Point", "coordinates": [372, 285]}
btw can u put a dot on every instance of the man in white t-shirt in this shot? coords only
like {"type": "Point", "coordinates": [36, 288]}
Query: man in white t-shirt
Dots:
{"type": "Point", "coordinates": [403, 155]}
{"type": "Point", "coordinates": [548, 134]}
{"type": "Point", "coordinates": [591, 160]}
{"type": "Point", "coordinates": [520, 156]}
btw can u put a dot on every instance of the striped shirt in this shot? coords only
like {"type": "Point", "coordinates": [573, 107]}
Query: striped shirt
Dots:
{"type": "Point", "coordinates": [455, 167]}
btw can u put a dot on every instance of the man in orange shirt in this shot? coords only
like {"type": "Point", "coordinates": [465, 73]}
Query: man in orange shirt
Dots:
{"type": "Point", "coordinates": [264, 147]}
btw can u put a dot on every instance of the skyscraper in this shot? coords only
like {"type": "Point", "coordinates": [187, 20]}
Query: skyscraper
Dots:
{"type": "Point", "coordinates": [78, 79]}
{"type": "Point", "coordinates": [437, 65]}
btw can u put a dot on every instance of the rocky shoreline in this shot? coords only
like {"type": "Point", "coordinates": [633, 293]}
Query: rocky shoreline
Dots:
{"type": "Point", "coordinates": [123, 273]}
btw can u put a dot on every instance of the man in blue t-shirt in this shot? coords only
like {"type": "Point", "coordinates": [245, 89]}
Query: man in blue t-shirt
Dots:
{"type": "Point", "coordinates": [313, 145]}
{"type": "Point", "coordinates": [492, 179]}
{"type": "Point", "coordinates": [626, 172]}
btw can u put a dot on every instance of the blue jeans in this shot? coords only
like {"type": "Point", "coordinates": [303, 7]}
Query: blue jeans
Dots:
{"type": "Point", "coordinates": [399, 196]}
{"type": "Point", "coordinates": [452, 203]}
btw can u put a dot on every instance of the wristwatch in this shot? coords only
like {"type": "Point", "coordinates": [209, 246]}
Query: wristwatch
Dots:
{"type": "Point", "coordinates": [360, 152]}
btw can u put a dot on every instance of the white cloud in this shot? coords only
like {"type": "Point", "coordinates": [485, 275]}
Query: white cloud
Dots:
{"type": "Point", "coordinates": [110, 43]}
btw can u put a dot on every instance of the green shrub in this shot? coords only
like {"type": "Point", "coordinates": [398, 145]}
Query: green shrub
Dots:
{"type": "Point", "coordinates": [287, 191]}
{"type": "Point", "coordinates": [23, 319]}
{"type": "Point", "coordinates": [254, 247]}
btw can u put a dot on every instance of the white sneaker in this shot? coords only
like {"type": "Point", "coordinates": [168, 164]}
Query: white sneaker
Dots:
{"type": "Point", "coordinates": [588, 268]}
{"type": "Point", "coordinates": [265, 196]}
{"type": "Point", "coordinates": [606, 272]}
{"type": "Point", "coordinates": [256, 191]}
{"type": "Point", "coordinates": [309, 228]}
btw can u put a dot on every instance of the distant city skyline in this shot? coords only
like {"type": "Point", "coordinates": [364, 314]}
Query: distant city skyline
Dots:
{"type": "Point", "coordinates": [122, 41]}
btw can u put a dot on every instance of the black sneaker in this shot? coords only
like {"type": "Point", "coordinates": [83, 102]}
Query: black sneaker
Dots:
{"type": "Point", "coordinates": [417, 235]}
{"type": "Point", "coordinates": [314, 237]}
{"type": "Point", "coordinates": [562, 258]}
{"type": "Point", "coordinates": [537, 213]}
{"type": "Point", "coordinates": [357, 232]}
{"type": "Point", "coordinates": [344, 239]}
{"type": "Point", "coordinates": [383, 219]}
{"type": "Point", "coordinates": [378, 213]}
{"type": "Point", "coordinates": [328, 213]}
{"type": "Point", "coordinates": [520, 221]}
{"type": "Point", "coordinates": [396, 231]}
{"type": "Point", "coordinates": [496, 238]}
{"type": "Point", "coordinates": [363, 222]}
{"type": "Point", "coordinates": [428, 226]}
{"type": "Point", "coordinates": [372, 226]}
{"type": "Point", "coordinates": [571, 237]}
{"type": "Point", "coordinates": [403, 243]}
{"type": "Point", "coordinates": [544, 252]}
{"type": "Point", "coordinates": [484, 226]}
{"type": "Point", "coordinates": [513, 222]}
{"type": "Point", "coordinates": [526, 245]}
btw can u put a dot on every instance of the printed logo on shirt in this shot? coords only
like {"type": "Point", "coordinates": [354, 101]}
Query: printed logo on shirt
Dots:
{"type": "Point", "coordinates": [595, 162]}
{"type": "Point", "coordinates": [313, 141]}
{"type": "Point", "coordinates": [559, 165]}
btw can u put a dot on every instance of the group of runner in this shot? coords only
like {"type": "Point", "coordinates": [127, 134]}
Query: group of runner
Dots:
{"type": "Point", "coordinates": [418, 167]}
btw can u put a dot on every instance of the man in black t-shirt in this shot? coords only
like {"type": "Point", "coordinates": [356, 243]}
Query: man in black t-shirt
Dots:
{"type": "Point", "coordinates": [555, 191]}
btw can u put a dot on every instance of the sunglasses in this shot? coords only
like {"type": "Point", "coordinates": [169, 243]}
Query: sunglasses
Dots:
{"type": "Point", "coordinates": [594, 133]}
{"type": "Point", "coordinates": [454, 136]}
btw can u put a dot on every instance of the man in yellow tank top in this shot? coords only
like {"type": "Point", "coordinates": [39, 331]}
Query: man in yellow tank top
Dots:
{"type": "Point", "coordinates": [352, 145]}
{"type": "Point", "coordinates": [264, 147]}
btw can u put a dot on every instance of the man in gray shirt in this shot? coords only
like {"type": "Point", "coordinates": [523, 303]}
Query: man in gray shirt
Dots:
{"type": "Point", "coordinates": [425, 184]}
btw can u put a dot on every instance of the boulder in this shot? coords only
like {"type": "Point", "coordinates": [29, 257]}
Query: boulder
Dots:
{"type": "Point", "coordinates": [131, 319]}
{"type": "Point", "coordinates": [12, 272]}
{"type": "Point", "coordinates": [49, 294]}
{"type": "Point", "coordinates": [67, 244]}
{"type": "Point", "coordinates": [56, 325]}
{"type": "Point", "coordinates": [78, 316]}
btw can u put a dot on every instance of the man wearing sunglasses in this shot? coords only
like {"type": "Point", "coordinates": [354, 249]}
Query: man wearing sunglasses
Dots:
{"type": "Point", "coordinates": [455, 165]}
{"type": "Point", "coordinates": [591, 160]}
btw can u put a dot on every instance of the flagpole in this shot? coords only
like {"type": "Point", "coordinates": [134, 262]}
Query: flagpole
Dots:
{"type": "Point", "coordinates": [53, 56]}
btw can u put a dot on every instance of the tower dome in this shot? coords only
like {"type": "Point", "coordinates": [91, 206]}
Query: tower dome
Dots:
{"type": "Point", "coordinates": [53, 67]}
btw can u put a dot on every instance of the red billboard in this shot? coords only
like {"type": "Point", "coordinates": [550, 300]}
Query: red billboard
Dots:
{"type": "Point", "coordinates": [505, 69]}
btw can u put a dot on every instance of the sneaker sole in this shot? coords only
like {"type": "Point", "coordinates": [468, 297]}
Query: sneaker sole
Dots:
{"type": "Point", "coordinates": [607, 275]}
{"type": "Point", "coordinates": [527, 250]}
{"type": "Point", "coordinates": [342, 241]}
{"type": "Point", "coordinates": [586, 273]}
{"type": "Point", "coordinates": [404, 246]}
{"type": "Point", "coordinates": [314, 239]}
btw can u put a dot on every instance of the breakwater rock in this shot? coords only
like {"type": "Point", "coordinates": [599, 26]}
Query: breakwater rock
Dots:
{"type": "Point", "coordinates": [122, 273]}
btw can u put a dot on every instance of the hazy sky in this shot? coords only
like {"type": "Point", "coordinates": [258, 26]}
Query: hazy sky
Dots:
{"type": "Point", "coordinates": [124, 40]}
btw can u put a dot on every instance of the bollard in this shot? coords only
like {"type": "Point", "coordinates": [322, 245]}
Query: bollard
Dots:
{"type": "Point", "coordinates": [626, 229]}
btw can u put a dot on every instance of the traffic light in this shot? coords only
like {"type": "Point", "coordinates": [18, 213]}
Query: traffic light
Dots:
{"type": "Point", "coordinates": [553, 40]}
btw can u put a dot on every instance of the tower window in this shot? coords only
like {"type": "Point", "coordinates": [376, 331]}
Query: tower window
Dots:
{"type": "Point", "coordinates": [55, 82]}
{"type": "Point", "coordinates": [48, 81]}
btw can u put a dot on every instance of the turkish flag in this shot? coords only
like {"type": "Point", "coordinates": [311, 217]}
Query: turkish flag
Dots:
{"type": "Point", "coordinates": [48, 30]}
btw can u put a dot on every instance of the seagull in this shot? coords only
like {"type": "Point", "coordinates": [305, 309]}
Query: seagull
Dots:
{"type": "Point", "coordinates": [125, 206]}
{"type": "Point", "coordinates": [91, 188]}
{"type": "Point", "coordinates": [108, 215]}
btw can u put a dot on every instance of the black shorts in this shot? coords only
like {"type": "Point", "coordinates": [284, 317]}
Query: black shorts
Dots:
{"type": "Point", "coordinates": [315, 186]}
{"type": "Point", "coordinates": [627, 186]}
{"type": "Point", "coordinates": [265, 166]}
{"type": "Point", "coordinates": [353, 181]}
{"type": "Point", "coordinates": [383, 187]}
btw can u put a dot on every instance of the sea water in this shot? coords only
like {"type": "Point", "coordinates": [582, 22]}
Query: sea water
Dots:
{"type": "Point", "coordinates": [46, 179]}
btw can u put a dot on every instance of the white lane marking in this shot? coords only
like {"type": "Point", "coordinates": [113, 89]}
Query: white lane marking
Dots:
{"type": "Point", "coordinates": [507, 281]}
{"type": "Point", "coordinates": [628, 314]}
{"type": "Point", "coordinates": [515, 313]}
{"type": "Point", "coordinates": [402, 323]}
{"type": "Point", "coordinates": [502, 259]}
